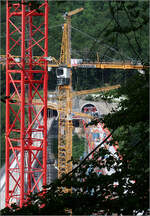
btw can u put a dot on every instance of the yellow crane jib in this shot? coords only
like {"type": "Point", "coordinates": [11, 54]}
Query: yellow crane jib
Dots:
{"type": "Point", "coordinates": [65, 56]}
{"type": "Point", "coordinates": [90, 91]}
{"type": "Point", "coordinates": [69, 14]}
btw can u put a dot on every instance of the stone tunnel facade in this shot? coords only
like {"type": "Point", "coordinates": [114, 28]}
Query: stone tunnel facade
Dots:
{"type": "Point", "coordinates": [102, 107]}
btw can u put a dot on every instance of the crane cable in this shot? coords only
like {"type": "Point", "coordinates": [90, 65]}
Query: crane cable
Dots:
{"type": "Point", "coordinates": [125, 34]}
{"type": "Point", "coordinates": [105, 45]}
{"type": "Point", "coordinates": [131, 23]}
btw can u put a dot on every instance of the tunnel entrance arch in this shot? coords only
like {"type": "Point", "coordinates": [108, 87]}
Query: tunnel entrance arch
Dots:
{"type": "Point", "coordinates": [90, 108]}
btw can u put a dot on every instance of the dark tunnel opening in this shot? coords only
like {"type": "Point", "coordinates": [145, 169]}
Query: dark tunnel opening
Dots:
{"type": "Point", "coordinates": [50, 113]}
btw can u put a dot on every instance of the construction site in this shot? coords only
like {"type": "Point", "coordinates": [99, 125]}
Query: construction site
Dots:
{"type": "Point", "coordinates": [35, 116]}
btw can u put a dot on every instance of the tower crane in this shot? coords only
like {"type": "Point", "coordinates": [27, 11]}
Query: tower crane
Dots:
{"type": "Point", "coordinates": [64, 82]}
{"type": "Point", "coordinates": [22, 120]}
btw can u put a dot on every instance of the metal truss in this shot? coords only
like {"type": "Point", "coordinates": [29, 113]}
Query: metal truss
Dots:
{"type": "Point", "coordinates": [64, 130]}
{"type": "Point", "coordinates": [26, 79]}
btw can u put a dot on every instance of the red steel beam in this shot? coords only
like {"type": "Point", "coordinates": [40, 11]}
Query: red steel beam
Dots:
{"type": "Point", "coordinates": [25, 172]}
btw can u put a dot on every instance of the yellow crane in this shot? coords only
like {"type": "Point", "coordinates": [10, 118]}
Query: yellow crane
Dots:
{"type": "Point", "coordinates": [64, 82]}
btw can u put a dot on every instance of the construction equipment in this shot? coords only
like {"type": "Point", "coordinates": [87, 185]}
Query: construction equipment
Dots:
{"type": "Point", "coordinates": [102, 89]}
{"type": "Point", "coordinates": [22, 177]}
{"type": "Point", "coordinates": [64, 81]}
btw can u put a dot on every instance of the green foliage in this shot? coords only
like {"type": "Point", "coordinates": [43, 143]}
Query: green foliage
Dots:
{"type": "Point", "coordinates": [89, 98]}
{"type": "Point", "coordinates": [135, 107]}
{"type": "Point", "coordinates": [78, 146]}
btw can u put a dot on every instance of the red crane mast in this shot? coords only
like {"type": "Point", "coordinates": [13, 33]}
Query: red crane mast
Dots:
{"type": "Point", "coordinates": [26, 79]}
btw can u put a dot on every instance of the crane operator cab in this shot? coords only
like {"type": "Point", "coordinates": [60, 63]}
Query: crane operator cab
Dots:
{"type": "Point", "coordinates": [63, 76]}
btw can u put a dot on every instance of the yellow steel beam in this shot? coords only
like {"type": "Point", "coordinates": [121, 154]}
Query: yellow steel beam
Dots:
{"type": "Point", "coordinates": [111, 65]}
{"type": "Point", "coordinates": [75, 11]}
{"type": "Point", "coordinates": [100, 65]}
{"type": "Point", "coordinates": [107, 88]}
{"type": "Point", "coordinates": [83, 115]}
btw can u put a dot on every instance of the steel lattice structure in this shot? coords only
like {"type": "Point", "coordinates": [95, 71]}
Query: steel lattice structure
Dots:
{"type": "Point", "coordinates": [64, 131]}
{"type": "Point", "coordinates": [65, 103]}
{"type": "Point", "coordinates": [26, 79]}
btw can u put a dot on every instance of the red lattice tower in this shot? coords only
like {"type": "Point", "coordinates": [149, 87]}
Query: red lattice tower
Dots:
{"type": "Point", "coordinates": [26, 80]}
